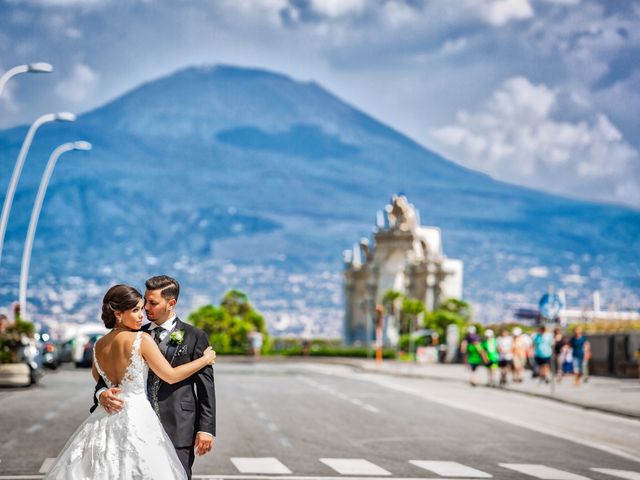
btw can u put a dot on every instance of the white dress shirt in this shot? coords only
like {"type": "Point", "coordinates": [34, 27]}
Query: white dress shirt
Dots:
{"type": "Point", "coordinates": [167, 326]}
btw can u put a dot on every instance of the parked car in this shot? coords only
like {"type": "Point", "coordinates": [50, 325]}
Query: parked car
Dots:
{"type": "Point", "coordinates": [51, 354]}
{"type": "Point", "coordinates": [66, 350]}
{"type": "Point", "coordinates": [83, 352]}
{"type": "Point", "coordinates": [31, 354]}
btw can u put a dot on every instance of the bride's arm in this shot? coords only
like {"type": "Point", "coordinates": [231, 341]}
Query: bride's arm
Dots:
{"type": "Point", "coordinates": [152, 354]}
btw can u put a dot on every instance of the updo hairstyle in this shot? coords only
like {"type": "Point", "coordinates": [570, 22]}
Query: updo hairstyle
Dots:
{"type": "Point", "coordinates": [118, 298]}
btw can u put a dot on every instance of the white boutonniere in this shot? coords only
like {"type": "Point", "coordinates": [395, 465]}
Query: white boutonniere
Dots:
{"type": "Point", "coordinates": [177, 337]}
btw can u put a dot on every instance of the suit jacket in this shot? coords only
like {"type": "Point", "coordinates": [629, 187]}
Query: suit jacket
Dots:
{"type": "Point", "coordinates": [186, 407]}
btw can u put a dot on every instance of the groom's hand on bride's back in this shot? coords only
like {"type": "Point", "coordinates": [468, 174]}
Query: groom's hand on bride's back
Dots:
{"type": "Point", "coordinates": [110, 401]}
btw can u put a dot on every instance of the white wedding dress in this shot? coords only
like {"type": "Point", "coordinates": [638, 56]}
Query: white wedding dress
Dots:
{"type": "Point", "coordinates": [131, 444]}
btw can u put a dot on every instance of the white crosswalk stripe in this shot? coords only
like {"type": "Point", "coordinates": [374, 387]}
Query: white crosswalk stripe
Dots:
{"type": "Point", "coordinates": [450, 469]}
{"type": "Point", "coordinates": [626, 474]}
{"type": "Point", "coordinates": [271, 468]}
{"type": "Point", "coordinates": [542, 471]}
{"type": "Point", "coordinates": [354, 466]}
{"type": "Point", "coordinates": [266, 465]}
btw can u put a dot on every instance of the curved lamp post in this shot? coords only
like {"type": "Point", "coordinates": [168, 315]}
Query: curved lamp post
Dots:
{"type": "Point", "coordinates": [17, 169]}
{"type": "Point", "coordinates": [40, 67]}
{"type": "Point", "coordinates": [35, 215]}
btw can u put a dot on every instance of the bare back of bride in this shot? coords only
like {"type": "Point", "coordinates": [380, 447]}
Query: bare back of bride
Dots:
{"type": "Point", "coordinates": [132, 443]}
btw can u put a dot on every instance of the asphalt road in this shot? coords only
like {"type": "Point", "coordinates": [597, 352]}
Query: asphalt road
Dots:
{"type": "Point", "coordinates": [304, 419]}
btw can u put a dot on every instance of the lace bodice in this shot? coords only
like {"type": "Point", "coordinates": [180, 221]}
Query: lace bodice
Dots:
{"type": "Point", "coordinates": [134, 379]}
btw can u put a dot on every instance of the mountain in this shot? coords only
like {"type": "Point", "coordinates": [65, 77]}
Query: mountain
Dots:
{"type": "Point", "coordinates": [232, 177]}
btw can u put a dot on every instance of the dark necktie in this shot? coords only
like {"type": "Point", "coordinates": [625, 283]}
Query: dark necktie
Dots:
{"type": "Point", "coordinates": [158, 334]}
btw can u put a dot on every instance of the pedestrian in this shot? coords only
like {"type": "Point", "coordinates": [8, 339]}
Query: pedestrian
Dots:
{"type": "Point", "coordinates": [473, 352]}
{"type": "Point", "coordinates": [558, 340]}
{"type": "Point", "coordinates": [542, 352]}
{"type": "Point", "coordinates": [255, 340]}
{"type": "Point", "coordinates": [505, 355]}
{"type": "Point", "coordinates": [566, 356]}
{"type": "Point", "coordinates": [490, 346]}
{"type": "Point", "coordinates": [520, 347]}
{"type": "Point", "coordinates": [527, 342]}
{"type": "Point", "coordinates": [581, 354]}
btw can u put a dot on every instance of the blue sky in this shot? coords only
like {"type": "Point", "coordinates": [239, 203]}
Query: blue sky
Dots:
{"type": "Point", "coordinates": [540, 93]}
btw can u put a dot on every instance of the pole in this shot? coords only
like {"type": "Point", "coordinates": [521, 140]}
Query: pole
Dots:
{"type": "Point", "coordinates": [33, 67]}
{"type": "Point", "coordinates": [17, 169]}
{"type": "Point", "coordinates": [35, 215]}
{"type": "Point", "coordinates": [379, 325]}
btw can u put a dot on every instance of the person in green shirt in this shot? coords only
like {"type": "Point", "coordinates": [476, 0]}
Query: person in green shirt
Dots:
{"type": "Point", "coordinates": [490, 346]}
{"type": "Point", "coordinates": [474, 354]}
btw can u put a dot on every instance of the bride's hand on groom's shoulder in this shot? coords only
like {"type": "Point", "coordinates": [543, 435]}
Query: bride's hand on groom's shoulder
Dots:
{"type": "Point", "coordinates": [210, 355]}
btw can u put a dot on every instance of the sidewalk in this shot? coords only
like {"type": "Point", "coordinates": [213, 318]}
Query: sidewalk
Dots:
{"type": "Point", "coordinates": [611, 395]}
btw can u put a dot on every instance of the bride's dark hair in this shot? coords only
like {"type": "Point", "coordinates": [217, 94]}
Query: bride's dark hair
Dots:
{"type": "Point", "coordinates": [118, 298]}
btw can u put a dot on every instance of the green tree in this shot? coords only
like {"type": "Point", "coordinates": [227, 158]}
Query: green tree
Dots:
{"type": "Point", "coordinates": [410, 310]}
{"type": "Point", "coordinates": [451, 311]}
{"type": "Point", "coordinates": [229, 324]}
{"type": "Point", "coordinates": [459, 307]}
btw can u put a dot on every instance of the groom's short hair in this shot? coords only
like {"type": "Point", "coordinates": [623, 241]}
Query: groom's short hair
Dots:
{"type": "Point", "coordinates": [169, 287]}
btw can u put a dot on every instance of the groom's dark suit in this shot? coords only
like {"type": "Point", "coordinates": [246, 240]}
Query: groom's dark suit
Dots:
{"type": "Point", "coordinates": [186, 407]}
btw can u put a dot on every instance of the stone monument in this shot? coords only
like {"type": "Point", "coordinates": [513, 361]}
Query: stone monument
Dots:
{"type": "Point", "coordinates": [405, 257]}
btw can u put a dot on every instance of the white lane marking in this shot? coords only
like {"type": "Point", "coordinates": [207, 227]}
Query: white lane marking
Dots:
{"type": "Point", "coordinates": [285, 442]}
{"type": "Point", "coordinates": [450, 469]}
{"type": "Point", "coordinates": [20, 477]}
{"type": "Point", "coordinates": [272, 426]}
{"type": "Point", "coordinates": [340, 395]}
{"type": "Point", "coordinates": [542, 471]}
{"type": "Point", "coordinates": [50, 415]}
{"type": "Point", "coordinates": [354, 466]}
{"type": "Point", "coordinates": [627, 474]}
{"type": "Point", "coordinates": [259, 465]}
{"type": "Point", "coordinates": [495, 416]}
{"type": "Point", "coordinates": [46, 465]}
{"type": "Point", "coordinates": [295, 477]}
{"type": "Point", "coordinates": [33, 428]}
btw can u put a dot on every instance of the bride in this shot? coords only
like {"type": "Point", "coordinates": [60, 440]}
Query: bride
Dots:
{"type": "Point", "coordinates": [130, 444]}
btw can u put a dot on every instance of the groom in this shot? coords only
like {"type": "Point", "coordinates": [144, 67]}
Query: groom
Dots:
{"type": "Point", "coordinates": [187, 409]}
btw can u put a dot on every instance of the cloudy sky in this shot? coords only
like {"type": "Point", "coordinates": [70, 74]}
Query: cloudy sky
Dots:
{"type": "Point", "coordinates": [541, 93]}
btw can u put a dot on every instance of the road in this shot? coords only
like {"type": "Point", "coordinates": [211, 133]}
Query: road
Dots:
{"type": "Point", "coordinates": [308, 419]}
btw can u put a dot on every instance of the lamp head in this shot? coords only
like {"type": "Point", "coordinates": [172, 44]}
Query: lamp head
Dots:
{"type": "Point", "coordinates": [66, 117]}
{"type": "Point", "coordinates": [40, 67]}
{"type": "Point", "coordinates": [81, 145]}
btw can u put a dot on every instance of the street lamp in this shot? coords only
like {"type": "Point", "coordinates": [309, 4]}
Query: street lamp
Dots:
{"type": "Point", "coordinates": [17, 169]}
{"type": "Point", "coordinates": [35, 214]}
{"type": "Point", "coordinates": [40, 67]}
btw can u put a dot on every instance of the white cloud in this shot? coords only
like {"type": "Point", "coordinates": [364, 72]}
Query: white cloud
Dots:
{"type": "Point", "coordinates": [73, 32]}
{"type": "Point", "coordinates": [588, 39]}
{"type": "Point", "coordinates": [564, 2]}
{"type": "Point", "coordinates": [398, 13]}
{"type": "Point", "coordinates": [539, 272]}
{"type": "Point", "coordinates": [501, 12]}
{"type": "Point", "coordinates": [80, 85]}
{"type": "Point", "coordinates": [338, 8]}
{"type": "Point", "coordinates": [451, 47]}
{"type": "Point", "coordinates": [517, 138]}
{"type": "Point", "coordinates": [68, 3]}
